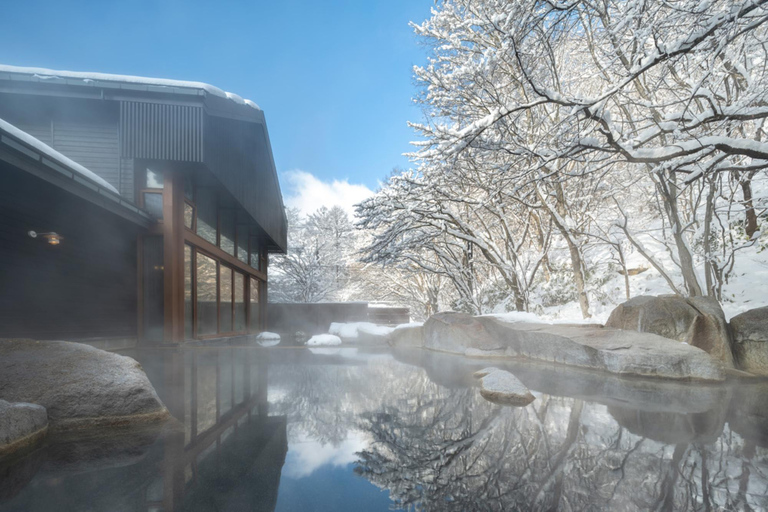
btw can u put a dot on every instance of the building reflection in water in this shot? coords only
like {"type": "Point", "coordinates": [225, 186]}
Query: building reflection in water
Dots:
{"type": "Point", "coordinates": [224, 453]}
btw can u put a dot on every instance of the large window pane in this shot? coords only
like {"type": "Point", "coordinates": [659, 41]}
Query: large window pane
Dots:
{"type": "Point", "coordinates": [154, 179]}
{"type": "Point", "coordinates": [153, 203]}
{"type": "Point", "coordinates": [206, 214]}
{"type": "Point", "coordinates": [255, 260]}
{"type": "Point", "coordinates": [225, 298]}
{"type": "Point", "coordinates": [254, 305]}
{"type": "Point", "coordinates": [188, 311]}
{"type": "Point", "coordinates": [206, 295]}
{"type": "Point", "coordinates": [189, 216]}
{"type": "Point", "coordinates": [242, 243]}
{"type": "Point", "coordinates": [227, 236]}
{"type": "Point", "coordinates": [239, 302]}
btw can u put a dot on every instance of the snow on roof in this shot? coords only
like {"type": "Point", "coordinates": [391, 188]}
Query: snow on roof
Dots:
{"type": "Point", "coordinates": [55, 155]}
{"type": "Point", "coordinates": [89, 78]}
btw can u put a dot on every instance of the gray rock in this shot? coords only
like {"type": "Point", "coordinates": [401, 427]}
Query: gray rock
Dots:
{"type": "Point", "coordinates": [502, 387]}
{"type": "Point", "coordinates": [697, 321]}
{"type": "Point", "coordinates": [80, 386]}
{"type": "Point", "coordinates": [409, 335]}
{"type": "Point", "coordinates": [457, 332]}
{"type": "Point", "coordinates": [479, 374]}
{"type": "Point", "coordinates": [750, 340]}
{"type": "Point", "coordinates": [21, 425]}
{"type": "Point", "coordinates": [612, 350]}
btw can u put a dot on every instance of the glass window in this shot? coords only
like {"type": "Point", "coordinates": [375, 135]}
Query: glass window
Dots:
{"type": "Point", "coordinates": [188, 311]}
{"type": "Point", "coordinates": [153, 203]}
{"type": "Point", "coordinates": [206, 214]}
{"type": "Point", "coordinates": [189, 188]}
{"type": "Point", "coordinates": [227, 237]}
{"type": "Point", "coordinates": [255, 260]}
{"type": "Point", "coordinates": [253, 305]}
{"type": "Point", "coordinates": [239, 302]}
{"type": "Point", "coordinates": [206, 295]}
{"type": "Point", "coordinates": [154, 179]}
{"type": "Point", "coordinates": [189, 216]}
{"type": "Point", "coordinates": [225, 299]}
{"type": "Point", "coordinates": [242, 243]}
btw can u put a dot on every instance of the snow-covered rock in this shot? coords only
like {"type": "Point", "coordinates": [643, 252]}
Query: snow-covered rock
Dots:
{"type": "Point", "coordinates": [611, 350]}
{"type": "Point", "coordinates": [21, 425]}
{"type": "Point", "coordinates": [268, 339]}
{"type": "Point", "coordinates": [697, 321]}
{"type": "Point", "coordinates": [500, 386]}
{"type": "Point", "coordinates": [323, 340]}
{"type": "Point", "coordinates": [750, 337]}
{"type": "Point", "coordinates": [407, 335]}
{"type": "Point", "coordinates": [80, 386]}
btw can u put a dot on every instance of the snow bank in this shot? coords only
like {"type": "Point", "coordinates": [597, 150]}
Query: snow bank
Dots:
{"type": "Point", "coordinates": [409, 326]}
{"type": "Point", "coordinates": [90, 78]}
{"type": "Point", "coordinates": [352, 330]}
{"type": "Point", "coordinates": [324, 339]}
{"type": "Point", "coordinates": [268, 339]}
{"type": "Point", "coordinates": [55, 155]}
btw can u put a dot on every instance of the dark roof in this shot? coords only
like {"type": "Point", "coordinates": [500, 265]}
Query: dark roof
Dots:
{"type": "Point", "coordinates": [192, 122]}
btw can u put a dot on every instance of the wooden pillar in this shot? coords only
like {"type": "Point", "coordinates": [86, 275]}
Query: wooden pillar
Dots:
{"type": "Point", "coordinates": [173, 258]}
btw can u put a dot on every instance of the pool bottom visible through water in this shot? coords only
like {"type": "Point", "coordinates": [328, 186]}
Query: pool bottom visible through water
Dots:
{"type": "Point", "coordinates": [355, 428]}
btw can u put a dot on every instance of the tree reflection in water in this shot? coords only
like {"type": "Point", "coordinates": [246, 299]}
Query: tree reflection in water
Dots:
{"type": "Point", "coordinates": [589, 441]}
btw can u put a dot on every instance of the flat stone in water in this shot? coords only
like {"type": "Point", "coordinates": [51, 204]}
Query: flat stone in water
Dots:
{"type": "Point", "coordinates": [502, 387]}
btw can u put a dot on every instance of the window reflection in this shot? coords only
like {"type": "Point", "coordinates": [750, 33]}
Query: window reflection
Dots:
{"type": "Point", "coordinates": [225, 297]}
{"type": "Point", "coordinates": [206, 214]}
{"type": "Point", "coordinates": [206, 295]}
{"type": "Point", "coordinates": [227, 218]}
{"type": "Point", "coordinates": [153, 204]}
{"type": "Point", "coordinates": [239, 302]}
{"type": "Point", "coordinates": [254, 305]}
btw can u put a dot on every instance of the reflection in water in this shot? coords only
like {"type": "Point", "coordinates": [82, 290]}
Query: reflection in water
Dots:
{"type": "Point", "coordinates": [357, 430]}
{"type": "Point", "coordinates": [225, 453]}
{"type": "Point", "coordinates": [589, 441]}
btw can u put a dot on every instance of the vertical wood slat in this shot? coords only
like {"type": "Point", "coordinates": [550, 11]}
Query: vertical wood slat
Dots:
{"type": "Point", "coordinates": [161, 132]}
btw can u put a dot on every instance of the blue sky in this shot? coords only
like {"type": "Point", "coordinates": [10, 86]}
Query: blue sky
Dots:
{"type": "Point", "coordinates": [333, 77]}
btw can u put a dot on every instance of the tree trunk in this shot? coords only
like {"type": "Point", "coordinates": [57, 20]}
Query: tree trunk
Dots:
{"type": "Point", "coordinates": [668, 191]}
{"type": "Point", "coordinates": [750, 221]}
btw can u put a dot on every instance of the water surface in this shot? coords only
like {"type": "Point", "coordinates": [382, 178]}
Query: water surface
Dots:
{"type": "Point", "coordinates": [292, 429]}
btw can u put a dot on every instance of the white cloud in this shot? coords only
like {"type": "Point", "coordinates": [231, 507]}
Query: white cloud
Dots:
{"type": "Point", "coordinates": [305, 455]}
{"type": "Point", "coordinates": [308, 193]}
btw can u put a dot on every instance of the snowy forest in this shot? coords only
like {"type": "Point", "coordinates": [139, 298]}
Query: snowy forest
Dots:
{"type": "Point", "coordinates": [571, 154]}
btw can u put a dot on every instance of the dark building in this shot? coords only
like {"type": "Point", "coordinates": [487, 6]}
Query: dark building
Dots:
{"type": "Point", "coordinates": [155, 204]}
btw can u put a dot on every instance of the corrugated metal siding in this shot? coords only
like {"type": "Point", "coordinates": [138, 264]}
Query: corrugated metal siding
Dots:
{"type": "Point", "coordinates": [92, 145]}
{"type": "Point", "coordinates": [161, 132]}
{"type": "Point", "coordinates": [40, 130]}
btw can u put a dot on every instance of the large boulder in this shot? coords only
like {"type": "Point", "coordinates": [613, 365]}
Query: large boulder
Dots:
{"type": "Point", "coordinates": [612, 350]}
{"type": "Point", "coordinates": [407, 335]}
{"type": "Point", "coordinates": [79, 385]}
{"type": "Point", "coordinates": [457, 332]}
{"type": "Point", "coordinates": [21, 426]}
{"type": "Point", "coordinates": [750, 340]}
{"type": "Point", "coordinates": [697, 321]}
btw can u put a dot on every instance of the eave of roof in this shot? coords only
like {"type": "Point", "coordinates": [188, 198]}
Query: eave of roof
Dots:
{"type": "Point", "coordinates": [58, 169]}
{"type": "Point", "coordinates": [125, 82]}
